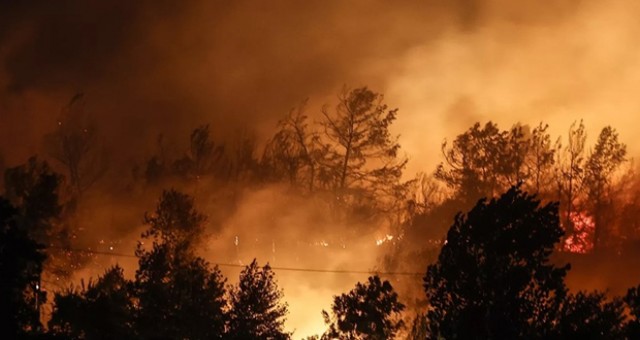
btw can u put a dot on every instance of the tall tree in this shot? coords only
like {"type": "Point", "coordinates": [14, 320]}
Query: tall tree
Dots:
{"type": "Point", "coordinates": [570, 173]}
{"type": "Point", "coordinates": [541, 158]}
{"type": "Point", "coordinates": [493, 278]}
{"type": "Point", "coordinates": [602, 163]}
{"type": "Point", "coordinates": [369, 311]}
{"type": "Point", "coordinates": [256, 311]}
{"type": "Point", "coordinates": [21, 261]}
{"type": "Point", "coordinates": [178, 293]}
{"type": "Point", "coordinates": [362, 154]}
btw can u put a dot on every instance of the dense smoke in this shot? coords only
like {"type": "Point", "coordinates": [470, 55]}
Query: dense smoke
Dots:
{"type": "Point", "coordinates": [146, 66]}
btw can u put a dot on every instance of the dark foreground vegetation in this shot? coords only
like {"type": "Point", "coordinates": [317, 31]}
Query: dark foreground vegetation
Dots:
{"type": "Point", "coordinates": [489, 273]}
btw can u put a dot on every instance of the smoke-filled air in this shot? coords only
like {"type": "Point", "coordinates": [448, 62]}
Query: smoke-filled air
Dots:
{"type": "Point", "coordinates": [319, 169]}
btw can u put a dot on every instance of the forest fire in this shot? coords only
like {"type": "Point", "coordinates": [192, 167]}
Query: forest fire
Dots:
{"type": "Point", "coordinates": [277, 170]}
{"type": "Point", "coordinates": [581, 238]}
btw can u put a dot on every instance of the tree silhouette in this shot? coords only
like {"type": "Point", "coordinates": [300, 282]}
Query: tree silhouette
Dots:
{"type": "Point", "coordinates": [492, 278]}
{"type": "Point", "coordinates": [541, 158]}
{"type": "Point", "coordinates": [34, 189]}
{"type": "Point", "coordinates": [369, 311]}
{"type": "Point", "coordinates": [76, 145]}
{"type": "Point", "coordinates": [483, 160]}
{"type": "Point", "coordinates": [570, 173]}
{"type": "Point", "coordinates": [588, 316]}
{"type": "Point", "coordinates": [203, 158]}
{"type": "Point", "coordinates": [102, 310]}
{"type": "Point", "coordinates": [632, 300]}
{"type": "Point", "coordinates": [292, 153]}
{"type": "Point", "coordinates": [21, 261]}
{"type": "Point", "coordinates": [179, 295]}
{"type": "Point", "coordinates": [602, 163]}
{"type": "Point", "coordinates": [175, 221]}
{"type": "Point", "coordinates": [256, 311]}
{"type": "Point", "coordinates": [362, 155]}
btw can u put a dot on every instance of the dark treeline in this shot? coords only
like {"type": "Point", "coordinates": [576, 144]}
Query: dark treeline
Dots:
{"type": "Point", "coordinates": [490, 274]}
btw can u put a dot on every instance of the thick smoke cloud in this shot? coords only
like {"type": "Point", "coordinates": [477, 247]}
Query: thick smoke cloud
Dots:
{"type": "Point", "coordinates": [151, 67]}
{"type": "Point", "coordinates": [148, 67]}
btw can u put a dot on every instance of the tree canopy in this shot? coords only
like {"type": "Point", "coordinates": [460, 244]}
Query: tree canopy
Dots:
{"type": "Point", "coordinates": [369, 311]}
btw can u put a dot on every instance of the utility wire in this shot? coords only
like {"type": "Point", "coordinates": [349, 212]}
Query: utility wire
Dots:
{"type": "Point", "coordinates": [293, 269]}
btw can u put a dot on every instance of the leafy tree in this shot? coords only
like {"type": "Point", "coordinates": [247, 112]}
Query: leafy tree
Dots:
{"type": "Point", "coordinates": [256, 311]}
{"type": "Point", "coordinates": [473, 164]}
{"type": "Point", "coordinates": [102, 310]}
{"type": "Point", "coordinates": [37, 192]}
{"type": "Point", "coordinates": [175, 220]}
{"type": "Point", "coordinates": [21, 261]}
{"type": "Point", "coordinates": [362, 155]}
{"type": "Point", "coordinates": [588, 316]}
{"type": "Point", "coordinates": [369, 311]}
{"type": "Point", "coordinates": [493, 278]}
{"type": "Point", "coordinates": [602, 163]}
{"type": "Point", "coordinates": [179, 294]}
{"type": "Point", "coordinates": [34, 188]}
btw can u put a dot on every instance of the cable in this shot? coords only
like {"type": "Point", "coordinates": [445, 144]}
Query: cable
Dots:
{"type": "Point", "coordinates": [293, 269]}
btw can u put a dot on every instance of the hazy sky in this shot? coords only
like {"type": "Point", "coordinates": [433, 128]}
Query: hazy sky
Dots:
{"type": "Point", "coordinates": [166, 66]}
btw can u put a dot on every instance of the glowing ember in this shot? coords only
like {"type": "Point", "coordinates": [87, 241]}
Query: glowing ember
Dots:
{"type": "Point", "coordinates": [386, 238]}
{"type": "Point", "coordinates": [581, 241]}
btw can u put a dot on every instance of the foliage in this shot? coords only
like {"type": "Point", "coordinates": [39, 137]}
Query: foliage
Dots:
{"type": "Point", "coordinates": [588, 316]}
{"type": "Point", "coordinates": [178, 293]}
{"type": "Point", "coordinates": [175, 221]}
{"type": "Point", "coordinates": [492, 278]}
{"type": "Point", "coordinates": [34, 188]}
{"type": "Point", "coordinates": [256, 311]}
{"type": "Point", "coordinates": [103, 308]}
{"type": "Point", "coordinates": [632, 300]}
{"type": "Point", "coordinates": [602, 163]}
{"type": "Point", "coordinates": [369, 311]}
{"type": "Point", "coordinates": [21, 261]}
{"type": "Point", "coordinates": [361, 149]}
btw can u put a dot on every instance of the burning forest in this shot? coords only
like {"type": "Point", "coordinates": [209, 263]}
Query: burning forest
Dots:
{"type": "Point", "coordinates": [313, 170]}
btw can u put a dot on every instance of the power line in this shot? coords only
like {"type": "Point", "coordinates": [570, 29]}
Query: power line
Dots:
{"type": "Point", "coordinates": [235, 265]}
